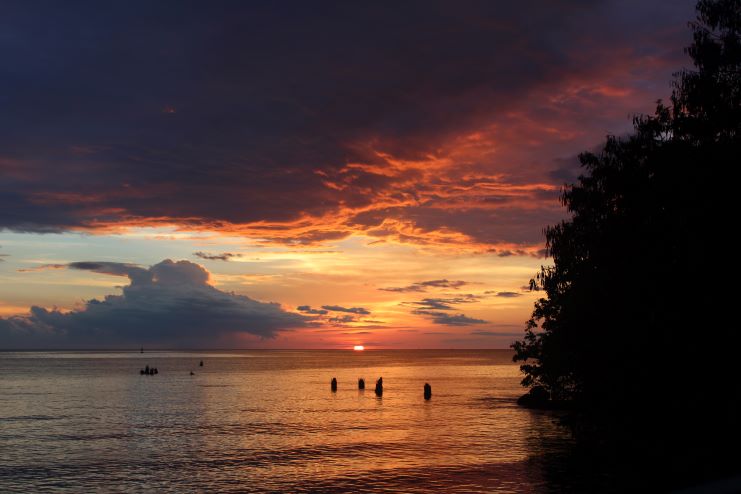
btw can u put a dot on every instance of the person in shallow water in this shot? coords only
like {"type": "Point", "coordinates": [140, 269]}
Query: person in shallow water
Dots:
{"type": "Point", "coordinates": [428, 391]}
{"type": "Point", "coordinates": [379, 386]}
{"type": "Point", "coordinates": [334, 384]}
{"type": "Point", "coordinates": [361, 383]}
{"type": "Point", "coordinates": [149, 371]}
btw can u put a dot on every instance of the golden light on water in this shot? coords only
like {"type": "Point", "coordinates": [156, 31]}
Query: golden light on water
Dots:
{"type": "Point", "coordinates": [358, 348]}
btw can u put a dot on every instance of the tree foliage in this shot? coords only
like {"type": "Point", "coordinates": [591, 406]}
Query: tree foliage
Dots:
{"type": "Point", "coordinates": [632, 328]}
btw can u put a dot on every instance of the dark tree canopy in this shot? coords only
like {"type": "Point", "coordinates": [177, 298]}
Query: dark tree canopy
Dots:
{"type": "Point", "coordinates": [634, 330]}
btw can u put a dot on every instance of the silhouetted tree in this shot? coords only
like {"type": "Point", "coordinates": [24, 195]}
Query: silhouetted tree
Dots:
{"type": "Point", "coordinates": [633, 329]}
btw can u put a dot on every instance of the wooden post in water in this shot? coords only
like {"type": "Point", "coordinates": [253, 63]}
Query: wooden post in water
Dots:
{"type": "Point", "coordinates": [334, 384]}
{"type": "Point", "coordinates": [379, 387]}
{"type": "Point", "coordinates": [428, 391]}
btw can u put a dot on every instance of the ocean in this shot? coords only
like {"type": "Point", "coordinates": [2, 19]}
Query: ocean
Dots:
{"type": "Point", "coordinates": [267, 421]}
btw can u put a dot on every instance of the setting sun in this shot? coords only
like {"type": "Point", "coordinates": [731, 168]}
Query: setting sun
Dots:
{"type": "Point", "coordinates": [358, 348]}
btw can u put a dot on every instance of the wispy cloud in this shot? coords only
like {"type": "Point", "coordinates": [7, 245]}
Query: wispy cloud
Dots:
{"type": "Point", "coordinates": [307, 309]}
{"type": "Point", "coordinates": [448, 319]}
{"type": "Point", "coordinates": [422, 286]}
{"type": "Point", "coordinates": [443, 303]}
{"type": "Point", "coordinates": [223, 256]}
{"type": "Point", "coordinates": [42, 267]}
{"type": "Point", "coordinates": [352, 310]}
{"type": "Point", "coordinates": [342, 319]}
{"type": "Point", "coordinates": [509, 294]}
{"type": "Point", "coordinates": [496, 333]}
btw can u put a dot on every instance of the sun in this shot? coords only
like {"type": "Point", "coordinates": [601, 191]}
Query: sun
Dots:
{"type": "Point", "coordinates": [358, 348]}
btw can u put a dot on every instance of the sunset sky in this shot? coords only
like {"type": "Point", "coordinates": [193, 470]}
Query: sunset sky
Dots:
{"type": "Point", "coordinates": [302, 174]}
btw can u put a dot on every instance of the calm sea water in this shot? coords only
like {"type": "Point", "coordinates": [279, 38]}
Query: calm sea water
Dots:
{"type": "Point", "coordinates": [267, 421]}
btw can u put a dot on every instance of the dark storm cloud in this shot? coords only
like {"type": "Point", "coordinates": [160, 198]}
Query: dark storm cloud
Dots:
{"type": "Point", "coordinates": [352, 310]}
{"type": "Point", "coordinates": [211, 114]}
{"type": "Point", "coordinates": [448, 319]}
{"type": "Point", "coordinates": [169, 304]}
{"type": "Point", "coordinates": [224, 256]}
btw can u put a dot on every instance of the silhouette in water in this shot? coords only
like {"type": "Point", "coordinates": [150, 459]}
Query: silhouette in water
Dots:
{"type": "Point", "coordinates": [201, 364]}
{"type": "Point", "coordinates": [192, 373]}
{"type": "Point", "coordinates": [428, 391]}
{"type": "Point", "coordinates": [361, 383]}
{"type": "Point", "coordinates": [379, 387]}
{"type": "Point", "coordinates": [627, 330]}
{"type": "Point", "coordinates": [142, 350]}
{"type": "Point", "coordinates": [149, 371]}
{"type": "Point", "coordinates": [334, 384]}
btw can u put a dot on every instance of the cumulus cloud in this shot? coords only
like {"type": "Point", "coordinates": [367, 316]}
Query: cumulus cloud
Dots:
{"type": "Point", "coordinates": [168, 304]}
{"type": "Point", "coordinates": [224, 256]}
{"type": "Point", "coordinates": [448, 319]}
{"type": "Point", "coordinates": [422, 286]}
{"type": "Point", "coordinates": [352, 310]}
